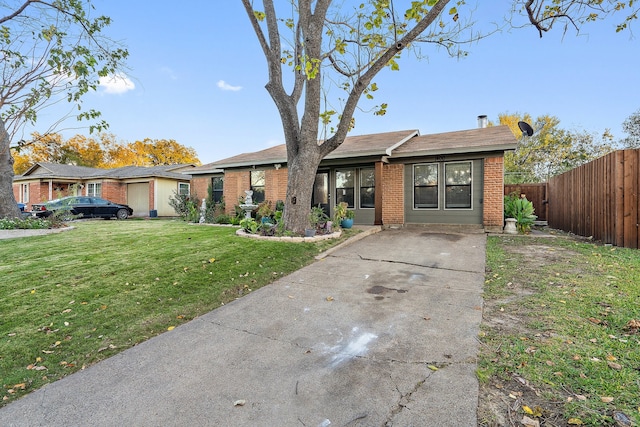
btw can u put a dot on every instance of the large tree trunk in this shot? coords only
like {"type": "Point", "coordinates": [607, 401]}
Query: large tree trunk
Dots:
{"type": "Point", "coordinates": [8, 205]}
{"type": "Point", "coordinates": [301, 174]}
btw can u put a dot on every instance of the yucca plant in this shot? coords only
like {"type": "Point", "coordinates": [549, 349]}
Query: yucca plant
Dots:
{"type": "Point", "coordinates": [521, 209]}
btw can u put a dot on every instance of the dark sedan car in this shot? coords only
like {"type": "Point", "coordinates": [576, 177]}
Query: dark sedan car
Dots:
{"type": "Point", "coordinates": [84, 207]}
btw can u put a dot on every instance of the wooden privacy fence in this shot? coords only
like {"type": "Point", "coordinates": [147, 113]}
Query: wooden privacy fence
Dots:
{"type": "Point", "coordinates": [535, 193]}
{"type": "Point", "coordinates": [599, 199]}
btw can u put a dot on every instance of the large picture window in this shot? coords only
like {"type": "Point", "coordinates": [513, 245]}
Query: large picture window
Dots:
{"type": "Point", "coordinates": [217, 185]}
{"type": "Point", "coordinates": [425, 186]}
{"type": "Point", "coordinates": [94, 189]}
{"type": "Point", "coordinates": [257, 186]}
{"type": "Point", "coordinates": [367, 188]}
{"type": "Point", "coordinates": [345, 185]}
{"type": "Point", "coordinates": [457, 185]}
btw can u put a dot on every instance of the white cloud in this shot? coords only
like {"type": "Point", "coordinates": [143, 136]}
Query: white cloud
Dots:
{"type": "Point", "coordinates": [226, 86]}
{"type": "Point", "coordinates": [116, 84]}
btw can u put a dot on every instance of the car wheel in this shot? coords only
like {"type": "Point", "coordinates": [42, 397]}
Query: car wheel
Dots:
{"type": "Point", "coordinates": [122, 214]}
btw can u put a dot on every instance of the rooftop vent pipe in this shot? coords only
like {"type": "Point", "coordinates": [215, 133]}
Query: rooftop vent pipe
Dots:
{"type": "Point", "coordinates": [482, 121]}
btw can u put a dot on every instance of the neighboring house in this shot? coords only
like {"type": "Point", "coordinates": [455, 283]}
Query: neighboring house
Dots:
{"type": "Point", "coordinates": [394, 178]}
{"type": "Point", "coordinates": [146, 189]}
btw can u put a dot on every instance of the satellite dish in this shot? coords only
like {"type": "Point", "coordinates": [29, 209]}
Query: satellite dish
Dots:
{"type": "Point", "coordinates": [525, 128]}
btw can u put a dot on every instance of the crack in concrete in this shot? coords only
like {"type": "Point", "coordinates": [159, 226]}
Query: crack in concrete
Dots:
{"type": "Point", "coordinates": [435, 267]}
{"type": "Point", "coordinates": [371, 358]}
{"type": "Point", "coordinates": [403, 401]}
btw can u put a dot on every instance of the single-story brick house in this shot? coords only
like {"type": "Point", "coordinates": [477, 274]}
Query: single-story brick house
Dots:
{"type": "Point", "coordinates": [393, 178]}
{"type": "Point", "coordinates": [145, 189]}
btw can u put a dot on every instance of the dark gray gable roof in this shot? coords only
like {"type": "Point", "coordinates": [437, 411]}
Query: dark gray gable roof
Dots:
{"type": "Point", "coordinates": [494, 138]}
{"type": "Point", "coordinates": [57, 170]}
{"type": "Point", "coordinates": [391, 145]}
{"type": "Point", "coordinates": [380, 144]}
{"type": "Point", "coordinates": [60, 171]}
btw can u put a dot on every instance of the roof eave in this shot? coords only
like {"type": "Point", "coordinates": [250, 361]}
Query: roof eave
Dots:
{"type": "Point", "coordinates": [245, 164]}
{"type": "Point", "coordinates": [443, 151]}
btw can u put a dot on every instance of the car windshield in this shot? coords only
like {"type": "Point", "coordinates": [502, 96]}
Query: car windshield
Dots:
{"type": "Point", "coordinates": [64, 201]}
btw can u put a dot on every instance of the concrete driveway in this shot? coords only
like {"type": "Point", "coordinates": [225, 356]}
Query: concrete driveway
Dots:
{"type": "Point", "coordinates": [382, 332]}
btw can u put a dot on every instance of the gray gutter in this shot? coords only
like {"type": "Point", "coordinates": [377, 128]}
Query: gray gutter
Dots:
{"type": "Point", "coordinates": [461, 150]}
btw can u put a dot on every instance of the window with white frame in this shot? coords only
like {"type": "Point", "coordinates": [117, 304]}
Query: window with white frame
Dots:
{"type": "Point", "coordinates": [183, 188]}
{"type": "Point", "coordinates": [345, 186]}
{"type": "Point", "coordinates": [94, 189]}
{"type": "Point", "coordinates": [25, 193]}
{"type": "Point", "coordinates": [367, 188]}
{"type": "Point", "coordinates": [425, 186]}
{"type": "Point", "coordinates": [457, 185]}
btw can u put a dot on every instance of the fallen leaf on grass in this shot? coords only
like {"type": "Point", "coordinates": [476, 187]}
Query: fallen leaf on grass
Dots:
{"type": "Point", "coordinates": [611, 358]}
{"type": "Point", "coordinates": [21, 386]}
{"type": "Point", "coordinates": [594, 320]}
{"type": "Point", "coordinates": [528, 422]}
{"type": "Point", "coordinates": [171, 328]}
{"type": "Point", "coordinates": [606, 399]}
{"type": "Point", "coordinates": [633, 325]}
{"type": "Point", "coordinates": [575, 422]}
{"type": "Point", "coordinates": [614, 365]}
{"type": "Point", "coordinates": [36, 368]}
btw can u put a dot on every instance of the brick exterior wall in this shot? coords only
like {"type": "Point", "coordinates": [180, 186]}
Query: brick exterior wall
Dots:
{"type": "Point", "coordinates": [275, 185]}
{"type": "Point", "coordinates": [493, 214]}
{"type": "Point", "coordinates": [113, 190]}
{"type": "Point", "coordinates": [152, 195]}
{"type": "Point", "coordinates": [235, 183]}
{"type": "Point", "coordinates": [393, 194]}
{"type": "Point", "coordinates": [200, 185]}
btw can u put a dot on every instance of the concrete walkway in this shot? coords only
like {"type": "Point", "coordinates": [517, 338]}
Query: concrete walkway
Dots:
{"type": "Point", "coordinates": [382, 332]}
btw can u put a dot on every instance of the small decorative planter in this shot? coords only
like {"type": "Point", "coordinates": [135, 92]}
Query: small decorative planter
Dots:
{"type": "Point", "coordinates": [346, 223]}
{"type": "Point", "coordinates": [309, 232]}
{"type": "Point", "coordinates": [510, 226]}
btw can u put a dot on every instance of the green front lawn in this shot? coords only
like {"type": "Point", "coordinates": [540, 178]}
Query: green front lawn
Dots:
{"type": "Point", "coordinates": [71, 299]}
{"type": "Point", "coordinates": [561, 333]}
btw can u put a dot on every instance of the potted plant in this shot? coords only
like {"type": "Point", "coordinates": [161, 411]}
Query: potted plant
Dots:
{"type": "Point", "coordinates": [265, 212]}
{"type": "Point", "coordinates": [343, 215]}
{"type": "Point", "coordinates": [317, 219]}
{"type": "Point", "coordinates": [519, 214]}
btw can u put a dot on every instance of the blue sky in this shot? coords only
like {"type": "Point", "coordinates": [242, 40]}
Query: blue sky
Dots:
{"type": "Point", "coordinates": [197, 76]}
